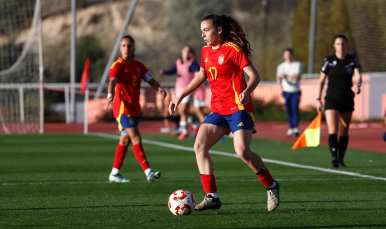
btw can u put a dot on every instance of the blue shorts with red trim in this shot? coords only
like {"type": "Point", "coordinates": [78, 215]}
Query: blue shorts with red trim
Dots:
{"type": "Point", "coordinates": [126, 121]}
{"type": "Point", "coordinates": [236, 121]}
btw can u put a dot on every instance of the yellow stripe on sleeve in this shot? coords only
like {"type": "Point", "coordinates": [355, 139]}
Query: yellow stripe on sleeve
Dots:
{"type": "Point", "coordinates": [237, 97]}
{"type": "Point", "coordinates": [231, 44]}
{"type": "Point", "coordinates": [112, 66]}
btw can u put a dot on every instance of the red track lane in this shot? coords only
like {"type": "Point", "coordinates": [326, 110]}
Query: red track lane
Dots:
{"type": "Point", "coordinates": [363, 136]}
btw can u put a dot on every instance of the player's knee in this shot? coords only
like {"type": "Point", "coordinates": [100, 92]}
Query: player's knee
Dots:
{"type": "Point", "coordinates": [198, 147]}
{"type": "Point", "coordinates": [343, 131]}
{"type": "Point", "coordinates": [124, 140]}
{"type": "Point", "coordinates": [242, 152]}
{"type": "Point", "coordinates": [136, 139]}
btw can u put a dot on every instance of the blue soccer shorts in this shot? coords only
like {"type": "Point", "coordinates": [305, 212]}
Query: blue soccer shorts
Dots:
{"type": "Point", "coordinates": [236, 121]}
{"type": "Point", "coordinates": [126, 121]}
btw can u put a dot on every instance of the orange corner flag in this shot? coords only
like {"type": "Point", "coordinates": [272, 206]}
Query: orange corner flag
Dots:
{"type": "Point", "coordinates": [311, 136]}
{"type": "Point", "coordinates": [85, 75]}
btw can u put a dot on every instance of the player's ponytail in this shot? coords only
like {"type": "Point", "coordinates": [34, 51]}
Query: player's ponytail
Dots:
{"type": "Point", "coordinates": [232, 30]}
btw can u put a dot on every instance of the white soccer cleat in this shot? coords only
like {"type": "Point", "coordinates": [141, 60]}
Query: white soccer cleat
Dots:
{"type": "Point", "coordinates": [295, 131]}
{"type": "Point", "coordinates": [289, 132]}
{"type": "Point", "coordinates": [153, 176]}
{"type": "Point", "coordinates": [118, 178]}
{"type": "Point", "coordinates": [273, 197]}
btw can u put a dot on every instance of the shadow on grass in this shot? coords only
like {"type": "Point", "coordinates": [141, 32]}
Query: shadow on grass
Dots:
{"type": "Point", "coordinates": [331, 226]}
{"type": "Point", "coordinates": [85, 207]}
{"type": "Point", "coordinates": [60, 226]}
{"type": "Point", "coordinates": [259, 212]}
{"type": "Point", "coordinates": [302, 201]}
{"type": "Point", "coordinates": [328, 201]}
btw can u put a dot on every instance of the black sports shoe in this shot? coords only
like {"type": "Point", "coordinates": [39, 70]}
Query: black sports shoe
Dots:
{"type": "Point", "coordinates": [335, 162]}
{"type": "Point", "coordinates": [341, 164]}
{"type": "Point", "coordinates": [209, 202]}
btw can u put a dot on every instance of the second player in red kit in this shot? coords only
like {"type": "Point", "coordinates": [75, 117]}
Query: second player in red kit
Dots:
{"type": "Point", "coordinates": [126, 75]}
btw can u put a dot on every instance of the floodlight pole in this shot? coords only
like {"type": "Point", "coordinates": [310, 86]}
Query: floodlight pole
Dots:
{"type": "Point", "coordinates": [311, 51]}
{"type": "Point", "coordinates": [73, 61]}
{"type": "Point", "coordinates": [116, 47]}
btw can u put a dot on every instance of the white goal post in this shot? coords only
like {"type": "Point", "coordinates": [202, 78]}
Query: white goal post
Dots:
{"type": "Point", "coordinates": [21, 72]}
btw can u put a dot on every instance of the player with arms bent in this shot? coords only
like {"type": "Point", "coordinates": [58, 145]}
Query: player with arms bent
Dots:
{"type": "Point", "coordinates": [223, 61]}
{"type": "Point", "coordinates": [125, 77]}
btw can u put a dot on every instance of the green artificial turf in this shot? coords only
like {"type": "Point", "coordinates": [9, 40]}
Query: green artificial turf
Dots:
{"type": "Point", "coordinates": [61, 181]}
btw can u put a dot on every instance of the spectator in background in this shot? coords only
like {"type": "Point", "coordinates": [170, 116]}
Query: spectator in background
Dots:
{"type": "Point", "coordinates": [186, 68]}
{"type": "Point", "coordinates": [339, 100]}
{"type": "Point", "coordinates": [288, 76]}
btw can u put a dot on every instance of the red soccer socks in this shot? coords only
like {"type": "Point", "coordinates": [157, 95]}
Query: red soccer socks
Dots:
{"type": "Point", "coordinates": [120, 154]}
{"type": "Point", "coordinates": [265, 178]}
{"type": "Point", "coordinates": [209, 183]}
{"type": "Point", "coordinates": [141, 156]}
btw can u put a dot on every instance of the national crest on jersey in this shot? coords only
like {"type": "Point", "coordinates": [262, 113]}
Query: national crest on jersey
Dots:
{"type": "Point", "coordinates": [224, 68]}
{"type": "Point", "coordinates": [221, 59]}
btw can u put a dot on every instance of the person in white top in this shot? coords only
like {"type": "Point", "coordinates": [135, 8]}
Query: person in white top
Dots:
{"type": "Point", "coordinates": [288, 76]}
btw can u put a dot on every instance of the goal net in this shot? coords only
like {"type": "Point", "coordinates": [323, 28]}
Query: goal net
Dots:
{"type": "Point", "coordinates": [20, 98]}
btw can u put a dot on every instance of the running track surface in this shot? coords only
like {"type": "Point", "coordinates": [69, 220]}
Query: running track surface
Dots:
{"type": "Point", "coordinates": [363, 136]}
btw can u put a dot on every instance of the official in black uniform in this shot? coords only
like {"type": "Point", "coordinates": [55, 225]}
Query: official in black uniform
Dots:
{"type": "Point", "coordinates": [339, 99]}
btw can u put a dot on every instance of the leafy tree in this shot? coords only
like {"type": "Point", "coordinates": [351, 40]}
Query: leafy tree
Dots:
{"type": "Point", "coordinates": [180, 23]}
{"type": "Point", "coordinates": [89, 47]}
{"type": "Point", "coordinates": [332, 19]}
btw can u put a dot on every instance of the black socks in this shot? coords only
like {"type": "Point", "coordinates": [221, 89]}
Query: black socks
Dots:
{"type": "Point", "coordinates": [333, 144]}
{"type": "Point", "coordinates": [343, 142]}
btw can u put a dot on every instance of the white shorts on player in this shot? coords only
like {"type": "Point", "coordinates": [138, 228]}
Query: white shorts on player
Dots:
{"type": "Point", "coordinates": [187, 99]}
{"type": "Point", "coordinates": [195, 102]}
{"type": "Point", "coordinates": [199, 103]}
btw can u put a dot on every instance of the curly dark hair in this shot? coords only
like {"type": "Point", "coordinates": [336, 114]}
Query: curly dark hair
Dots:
{"type": "Point", "coordinates": [232, 30]}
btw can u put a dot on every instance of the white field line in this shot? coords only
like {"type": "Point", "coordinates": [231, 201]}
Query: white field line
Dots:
{"type": "Point", "coordinates": [106, 182]}
{"type": "Point", "coordinates": [235, 155]}
{"type": "Point", "coordinates": [54, 182]}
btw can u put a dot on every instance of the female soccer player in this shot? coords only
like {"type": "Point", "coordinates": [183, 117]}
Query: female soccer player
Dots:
{"type": "Point", "coordinates": [339, 100]}
{"type": "Point", "coordinates": [186, 68]}
{"type": "Point", "coordinates": [223, 62]}
{"type": "Point", "coordinates": [125, 77]}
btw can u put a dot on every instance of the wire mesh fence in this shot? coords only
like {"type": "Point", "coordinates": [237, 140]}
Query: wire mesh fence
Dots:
{"type": "Point", "coordinates": [162, 27]}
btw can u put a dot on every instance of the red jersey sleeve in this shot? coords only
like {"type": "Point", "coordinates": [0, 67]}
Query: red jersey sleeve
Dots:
{"type": "Point", "coordinates": [114, 70]}
{"type": "Point", "coordinates": [142, 68]}
{"type": "Point", "coordinates": [240, 58]}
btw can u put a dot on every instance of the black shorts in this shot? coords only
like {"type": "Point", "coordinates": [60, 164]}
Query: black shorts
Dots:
{"type": "Point", "coordinates": [346, 105]}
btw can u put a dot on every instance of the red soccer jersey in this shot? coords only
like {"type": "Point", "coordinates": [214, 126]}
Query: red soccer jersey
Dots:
{"type": "Point", "coordinates": [127, 89]}
{"type": "Point", "coordinates": [224, 68]}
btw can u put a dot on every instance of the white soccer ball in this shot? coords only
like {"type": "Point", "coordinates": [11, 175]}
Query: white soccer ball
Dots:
{"type": "Point", "coordinates": [181, 202]}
